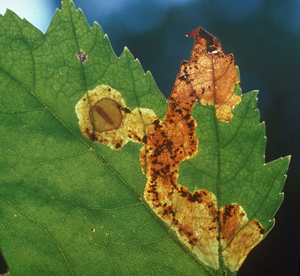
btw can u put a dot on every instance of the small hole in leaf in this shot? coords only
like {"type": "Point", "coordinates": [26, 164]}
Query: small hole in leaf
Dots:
{"type": "Point", "coordinates": [82, 56]}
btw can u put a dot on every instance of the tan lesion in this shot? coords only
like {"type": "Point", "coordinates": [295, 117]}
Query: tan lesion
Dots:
{"type": "Point", "coordinates": [200, 224]}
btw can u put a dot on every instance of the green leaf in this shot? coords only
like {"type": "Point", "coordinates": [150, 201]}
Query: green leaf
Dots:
{"type": "Point", "coordinates": [72, 206]}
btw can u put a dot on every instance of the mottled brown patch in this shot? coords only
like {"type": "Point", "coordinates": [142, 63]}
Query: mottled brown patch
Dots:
{"type": "Point", "coordinates": [238, 235]}
{"type": "Point", "coordinates": [210, 75]}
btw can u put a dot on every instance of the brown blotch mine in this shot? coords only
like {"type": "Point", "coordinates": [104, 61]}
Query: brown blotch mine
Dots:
{"type": "Point", "coordinates": [210, 76]}
{"type": "Point", "coordinates": [238, 235]}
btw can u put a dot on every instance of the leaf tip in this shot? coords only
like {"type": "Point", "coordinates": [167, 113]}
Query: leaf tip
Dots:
{"type": "Point", "coordinates": [65, 4]}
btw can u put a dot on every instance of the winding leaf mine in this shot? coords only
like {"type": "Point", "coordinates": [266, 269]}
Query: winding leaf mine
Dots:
{"type": "Point", "coordinates": [210, 78]}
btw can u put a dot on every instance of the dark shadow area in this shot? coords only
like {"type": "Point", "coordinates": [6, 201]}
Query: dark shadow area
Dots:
{"type": "Point", "coordinates": [3, 265]}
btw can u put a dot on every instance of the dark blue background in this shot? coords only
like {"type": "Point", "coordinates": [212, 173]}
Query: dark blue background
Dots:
{"type": "Point", "coordinates": [264, 36]}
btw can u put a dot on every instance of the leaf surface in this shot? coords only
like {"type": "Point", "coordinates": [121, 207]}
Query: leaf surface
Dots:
{"type": "Point", "coordinates": [95, 177]}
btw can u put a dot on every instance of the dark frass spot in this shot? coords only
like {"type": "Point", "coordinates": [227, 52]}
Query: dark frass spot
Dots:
{"type": "Point", "coordinates": [118, 145]}
{"type": "Point", "coordinates": [126, 110]}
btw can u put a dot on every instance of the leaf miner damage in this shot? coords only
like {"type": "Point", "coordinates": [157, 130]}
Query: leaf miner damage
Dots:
{"type": "Point", "coordinates": [215, 234]}
{"type": "Point", "coordinates": [211, 74]}
{"type": "Point", "coordinates": [105, 118]}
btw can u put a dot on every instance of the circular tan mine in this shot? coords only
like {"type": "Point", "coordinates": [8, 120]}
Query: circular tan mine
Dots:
{"type": "Point", "coordinates": [106, 115]}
